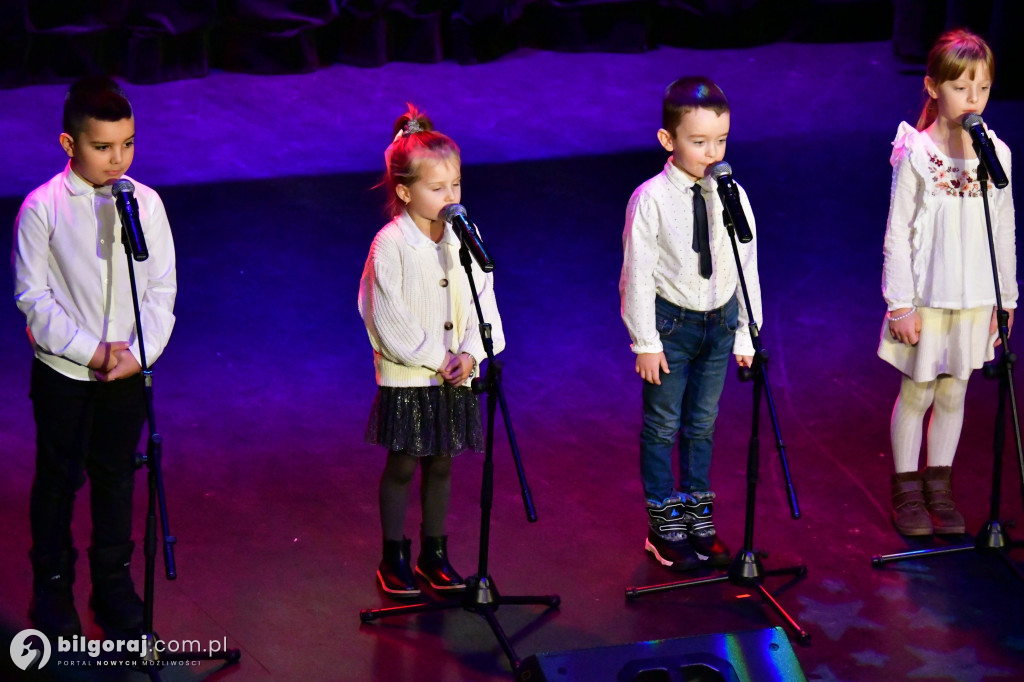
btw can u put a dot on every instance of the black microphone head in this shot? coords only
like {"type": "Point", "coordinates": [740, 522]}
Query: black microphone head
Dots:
{"type": "Point", "coordinates": [123, 185]}
{"type": "Point", "coordinates": [451, 211]}
{"type": "Point", "coordinates": [971, 120]}
{"type": "Point", "coordinates": [719, 170]}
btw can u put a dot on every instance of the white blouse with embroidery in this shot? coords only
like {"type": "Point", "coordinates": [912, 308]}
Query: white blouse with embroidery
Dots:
{"type": "Point", "coordinates": [936, 242]}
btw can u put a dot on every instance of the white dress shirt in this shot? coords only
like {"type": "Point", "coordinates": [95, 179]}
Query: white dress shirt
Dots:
{"type": "Point", "coordinates": [936, 242]}
{"type": "Point", "coordinates": [415, 299]}
{"type": "Point", "coordinates": [71, 273]}
{"type": "Point", "coordinates": [659, 259]}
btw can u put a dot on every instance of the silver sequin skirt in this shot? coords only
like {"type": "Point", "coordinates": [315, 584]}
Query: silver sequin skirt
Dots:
{"type": "Point", "coordinates": [426, 420]}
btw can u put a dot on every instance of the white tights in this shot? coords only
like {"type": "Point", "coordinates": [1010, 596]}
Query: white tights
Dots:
{"type": "Point", "coordinates": [945, 395]}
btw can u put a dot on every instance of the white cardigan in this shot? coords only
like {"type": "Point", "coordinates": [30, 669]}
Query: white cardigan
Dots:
{"type": "Point", "coordinates": [415, 300]}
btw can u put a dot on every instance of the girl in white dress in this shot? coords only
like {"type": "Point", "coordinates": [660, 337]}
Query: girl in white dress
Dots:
{"type": "Point", "coordinates": [937, 278]}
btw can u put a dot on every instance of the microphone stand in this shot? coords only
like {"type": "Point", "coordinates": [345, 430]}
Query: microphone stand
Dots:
{"type": "Point", "coordinates": [746, 569]}
{"type": "Point", "coordinates": [992, 538]}
{"type": "Point", "coordinates": [152, 659]}
{"type": "Point", "coordinates": [481, 596]}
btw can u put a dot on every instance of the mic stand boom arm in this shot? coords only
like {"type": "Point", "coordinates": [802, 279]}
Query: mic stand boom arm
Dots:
{"type": "Point", "coordinates": [152, 460]}
{"type": "Point", "coordinates": [758, 372]}
{"type": "Point", "coordinates": [490, 383]}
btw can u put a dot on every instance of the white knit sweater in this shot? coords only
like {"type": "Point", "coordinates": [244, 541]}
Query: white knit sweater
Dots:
{"type": "Point", "coordinates": [415, 299]}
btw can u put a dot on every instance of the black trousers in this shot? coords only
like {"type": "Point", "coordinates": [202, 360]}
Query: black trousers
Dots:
{"type": "Point", "coordinates": [83, 427]}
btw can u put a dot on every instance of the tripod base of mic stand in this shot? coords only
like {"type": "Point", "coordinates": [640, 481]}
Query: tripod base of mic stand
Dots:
{"type": "Point", "coordinates": [481, 597]}
{"type": "Point", "coordinates": [745, 571]}
{"type": "Point", "coordinates": [991, 539]}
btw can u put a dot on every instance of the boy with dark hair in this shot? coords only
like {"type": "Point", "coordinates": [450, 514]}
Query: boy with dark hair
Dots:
{"type": "Point", "coordinates": [681, 304]}
{"type": "Point", "coordinates": [71, 282]}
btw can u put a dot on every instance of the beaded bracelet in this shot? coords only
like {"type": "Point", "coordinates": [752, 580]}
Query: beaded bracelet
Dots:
{"type": "Point", "coordinates": [472, 371]}
{"type": "Point", "coordinates": [913, 309]}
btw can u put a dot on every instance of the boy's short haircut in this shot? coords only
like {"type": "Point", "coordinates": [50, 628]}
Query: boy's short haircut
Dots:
{"type": "Point", "coordinates": [97, 97]}
{"type": "Point", "coordinates": [689, 93]}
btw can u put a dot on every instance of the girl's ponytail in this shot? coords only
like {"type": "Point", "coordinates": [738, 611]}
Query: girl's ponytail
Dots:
{"type": "Point", "coordinates": [414, 139]}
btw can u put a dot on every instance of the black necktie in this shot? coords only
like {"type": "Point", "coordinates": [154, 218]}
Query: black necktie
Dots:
{"type": "Point", "coordinates": [701, 238]}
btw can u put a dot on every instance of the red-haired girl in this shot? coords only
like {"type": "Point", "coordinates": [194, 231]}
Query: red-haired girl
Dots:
{"type": "Point", "coordinates": [415, 299]}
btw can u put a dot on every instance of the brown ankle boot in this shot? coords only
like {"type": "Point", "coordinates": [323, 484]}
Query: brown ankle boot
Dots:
{"type": "Point", "coordinates": [909, 515]}
{"type": "Point", "coordinates": [938, 495]}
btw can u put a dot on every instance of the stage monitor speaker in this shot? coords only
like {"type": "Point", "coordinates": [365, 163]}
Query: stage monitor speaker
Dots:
{"type": "Point", "coordinates": [751, 656]}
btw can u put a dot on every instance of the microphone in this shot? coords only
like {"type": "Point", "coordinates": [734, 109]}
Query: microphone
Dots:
{"type": "Point", "coordinates": [730, 195]}
{"type": "Point", "coordinates": [128, 211]}
{"type": "Point", "coordinates": [456, 215]}
{"type": "Point", "coordinates": [985, 150]}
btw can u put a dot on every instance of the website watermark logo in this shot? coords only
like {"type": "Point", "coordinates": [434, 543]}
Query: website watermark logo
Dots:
{"type": "Point", "coordinates": [30, 649]}
{"type": "Point", "coordinates": [94, 648]}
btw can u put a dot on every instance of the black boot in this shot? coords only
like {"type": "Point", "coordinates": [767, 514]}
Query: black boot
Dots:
{"type": "Point", "coordinates": [432, 564]}
{"type": "Point", "coordinates": [52, 610]}
{"type": "Point", "coordinates": [113, 598]}
{"type": "Point", "coordinates": [394, 572]}
{"type": "Point", "coordinates": [701, 530]}
{"type": "Point", "coordinates": [666, 535]}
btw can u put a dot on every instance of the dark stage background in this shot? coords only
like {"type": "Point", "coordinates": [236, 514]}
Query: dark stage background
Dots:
{"type": "Point", "coordinates": [152, 41]}
{"type": "Point", "coordinates": [263, 391]}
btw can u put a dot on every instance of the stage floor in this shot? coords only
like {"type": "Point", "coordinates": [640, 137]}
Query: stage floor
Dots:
{"type": "Point", "coordinates": [263, 392]}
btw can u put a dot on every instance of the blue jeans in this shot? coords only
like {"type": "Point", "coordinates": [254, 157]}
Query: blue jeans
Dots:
{"type": "Point", "coordinates": [697, 347]}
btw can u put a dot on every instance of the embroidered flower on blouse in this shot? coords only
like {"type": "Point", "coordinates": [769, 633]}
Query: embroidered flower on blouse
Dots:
{"type": "Point", "coordinates": [952, 180]}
